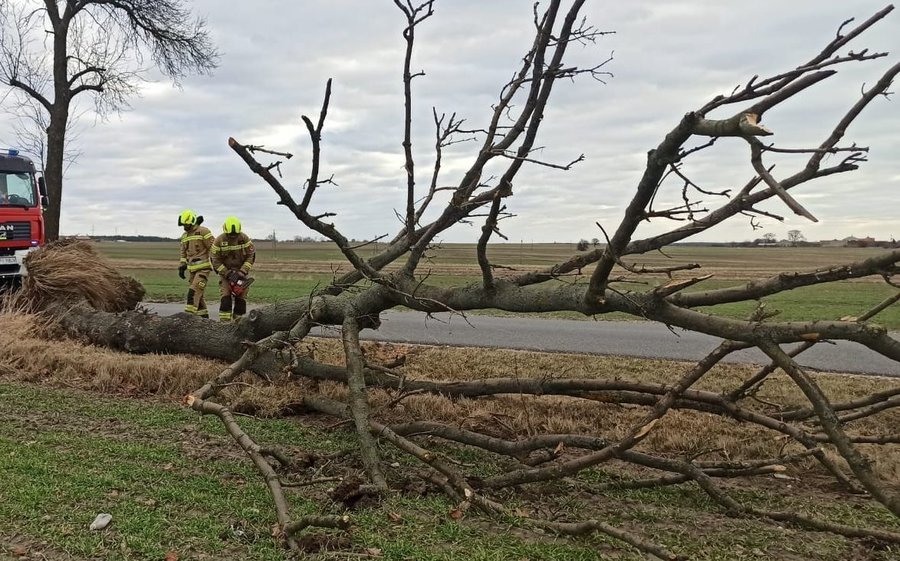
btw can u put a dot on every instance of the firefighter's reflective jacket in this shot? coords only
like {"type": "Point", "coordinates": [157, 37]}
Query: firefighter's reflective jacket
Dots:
{"type": "Point", "coordinates": [232, 251]}
{"type": "Point", "coordinates": [195, 245]}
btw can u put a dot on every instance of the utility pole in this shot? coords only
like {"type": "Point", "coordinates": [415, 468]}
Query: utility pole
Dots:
{"type": "Point", "coordinates": [274, 245]}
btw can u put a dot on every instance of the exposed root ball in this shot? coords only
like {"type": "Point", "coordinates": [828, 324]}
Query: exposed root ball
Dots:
{"type": "Point", "coordinates": [70, 270]}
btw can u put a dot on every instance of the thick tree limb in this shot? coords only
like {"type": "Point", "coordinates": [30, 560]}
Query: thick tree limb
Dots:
{"type": "Point", "coordinates": [782, 282]}
{"type": "Point", "coordinates": [742, 124]}
{"type": "Point", "coordinates": [359, 404]}
{"type": "Point", "coordinates": [859, 465]}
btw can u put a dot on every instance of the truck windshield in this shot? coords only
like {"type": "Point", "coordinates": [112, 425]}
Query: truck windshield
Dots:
{"type": "Point", "coordinates": [16, 189]}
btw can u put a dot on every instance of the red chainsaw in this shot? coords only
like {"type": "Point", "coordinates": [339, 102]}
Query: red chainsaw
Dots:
{"type": "Point", "coordinates": [238, 282]}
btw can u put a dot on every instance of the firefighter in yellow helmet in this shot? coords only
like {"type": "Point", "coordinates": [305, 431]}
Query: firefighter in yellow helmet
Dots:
{"type": "Point", "coordinates": [232, 256]}
{"type": "Point", "coordinates": [195, 244]}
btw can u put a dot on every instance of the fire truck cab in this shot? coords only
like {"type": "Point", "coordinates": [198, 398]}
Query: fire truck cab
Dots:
{"type": "Point", "coordinates": [23, 198]}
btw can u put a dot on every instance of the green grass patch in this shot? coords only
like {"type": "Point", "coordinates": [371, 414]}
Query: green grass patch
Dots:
{"type": "Point", "coordinates": [164, 285]}
{"type": "Point", "coordinates": [827, 302]}
{"type": "Point", "coordinates": [173, 481]}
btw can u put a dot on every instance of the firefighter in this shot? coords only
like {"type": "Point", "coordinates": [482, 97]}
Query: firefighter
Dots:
{"type": "Point", "coordinates": [232, 256]}
{"type": "Point", "coordinates": [195, 244]}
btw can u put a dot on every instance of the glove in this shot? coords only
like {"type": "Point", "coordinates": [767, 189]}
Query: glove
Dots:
{"type": "Point", "coordinates": [234, 276]}
{"type": "Point", "coordinates": [181, 270]}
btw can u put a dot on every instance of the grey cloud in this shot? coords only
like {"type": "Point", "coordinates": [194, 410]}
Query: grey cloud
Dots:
{"type": "Point", "coordinates": [670, 57]}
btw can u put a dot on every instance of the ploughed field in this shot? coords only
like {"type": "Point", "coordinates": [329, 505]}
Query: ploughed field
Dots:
{"type": "Point", "coordinates": [459, 259]}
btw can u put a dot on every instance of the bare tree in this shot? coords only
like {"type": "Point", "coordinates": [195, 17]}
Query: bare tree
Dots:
{"type": "Point", "coordinates": [52, 52]}
{"type": "Point", "coordinates": [355, 300]}
{"type": "Point", "coordinates": [795, 237]}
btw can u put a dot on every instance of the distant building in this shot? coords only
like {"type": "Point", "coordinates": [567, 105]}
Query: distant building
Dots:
{"type": "Point", "coordinates": [853, 241]}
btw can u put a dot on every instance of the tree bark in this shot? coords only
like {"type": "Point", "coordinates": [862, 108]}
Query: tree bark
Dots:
{"type": "Point", "coordinates": [53, 172]}
{"type": "Point", "coordinates": [140, 332]}
{"type": "Point", "coordinates": [56, 131]}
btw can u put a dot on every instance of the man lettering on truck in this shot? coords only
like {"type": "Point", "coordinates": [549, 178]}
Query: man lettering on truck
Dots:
{"type": "Point", "coordinates": [195, 244]}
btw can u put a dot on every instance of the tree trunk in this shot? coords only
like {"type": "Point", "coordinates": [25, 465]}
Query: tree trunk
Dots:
{"type": "Point", "coordinates": [56, 131]}
{"type": "Point", "coordinates": [139, 332]}
{"type": "Point", "coordinates": [53, 172]}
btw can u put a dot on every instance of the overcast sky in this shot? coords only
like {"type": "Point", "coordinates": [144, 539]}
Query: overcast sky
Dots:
{"type": "Point", "coordinates": [140, 169]}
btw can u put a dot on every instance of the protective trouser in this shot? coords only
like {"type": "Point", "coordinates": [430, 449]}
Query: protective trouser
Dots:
{"type": "Point", "coordinates": [196, 301]}
{"type": "Point", "coordinates": [239, 303]}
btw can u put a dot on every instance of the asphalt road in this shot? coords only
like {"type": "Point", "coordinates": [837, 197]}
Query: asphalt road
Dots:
{"type": "Point", "coordinates": [628, 338]}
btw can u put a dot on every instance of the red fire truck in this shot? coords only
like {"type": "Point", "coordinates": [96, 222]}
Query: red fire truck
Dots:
{"type": "Point", "coordinates": [23, 196]}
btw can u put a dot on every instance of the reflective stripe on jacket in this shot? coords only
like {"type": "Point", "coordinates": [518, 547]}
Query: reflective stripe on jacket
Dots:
{"type": "Point", "coordinates": [195, 244]}
{"type": "Point", "coordinates": [232, 251]}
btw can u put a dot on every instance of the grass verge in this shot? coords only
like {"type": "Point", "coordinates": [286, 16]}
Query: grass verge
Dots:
{"type": "Point", "coordinates": [176, 485]}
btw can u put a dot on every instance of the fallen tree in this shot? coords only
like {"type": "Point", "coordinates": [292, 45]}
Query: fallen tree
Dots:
{"type": "Point", "coordinates": [267, 341]}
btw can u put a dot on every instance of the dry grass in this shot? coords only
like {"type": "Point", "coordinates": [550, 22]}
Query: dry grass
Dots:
{"type": "Point", "coordinates": [34, 353]}
{"type": "Point", "coordinates": [71, 270]}
{"type": "Point", "coordinates": [683, 433]}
